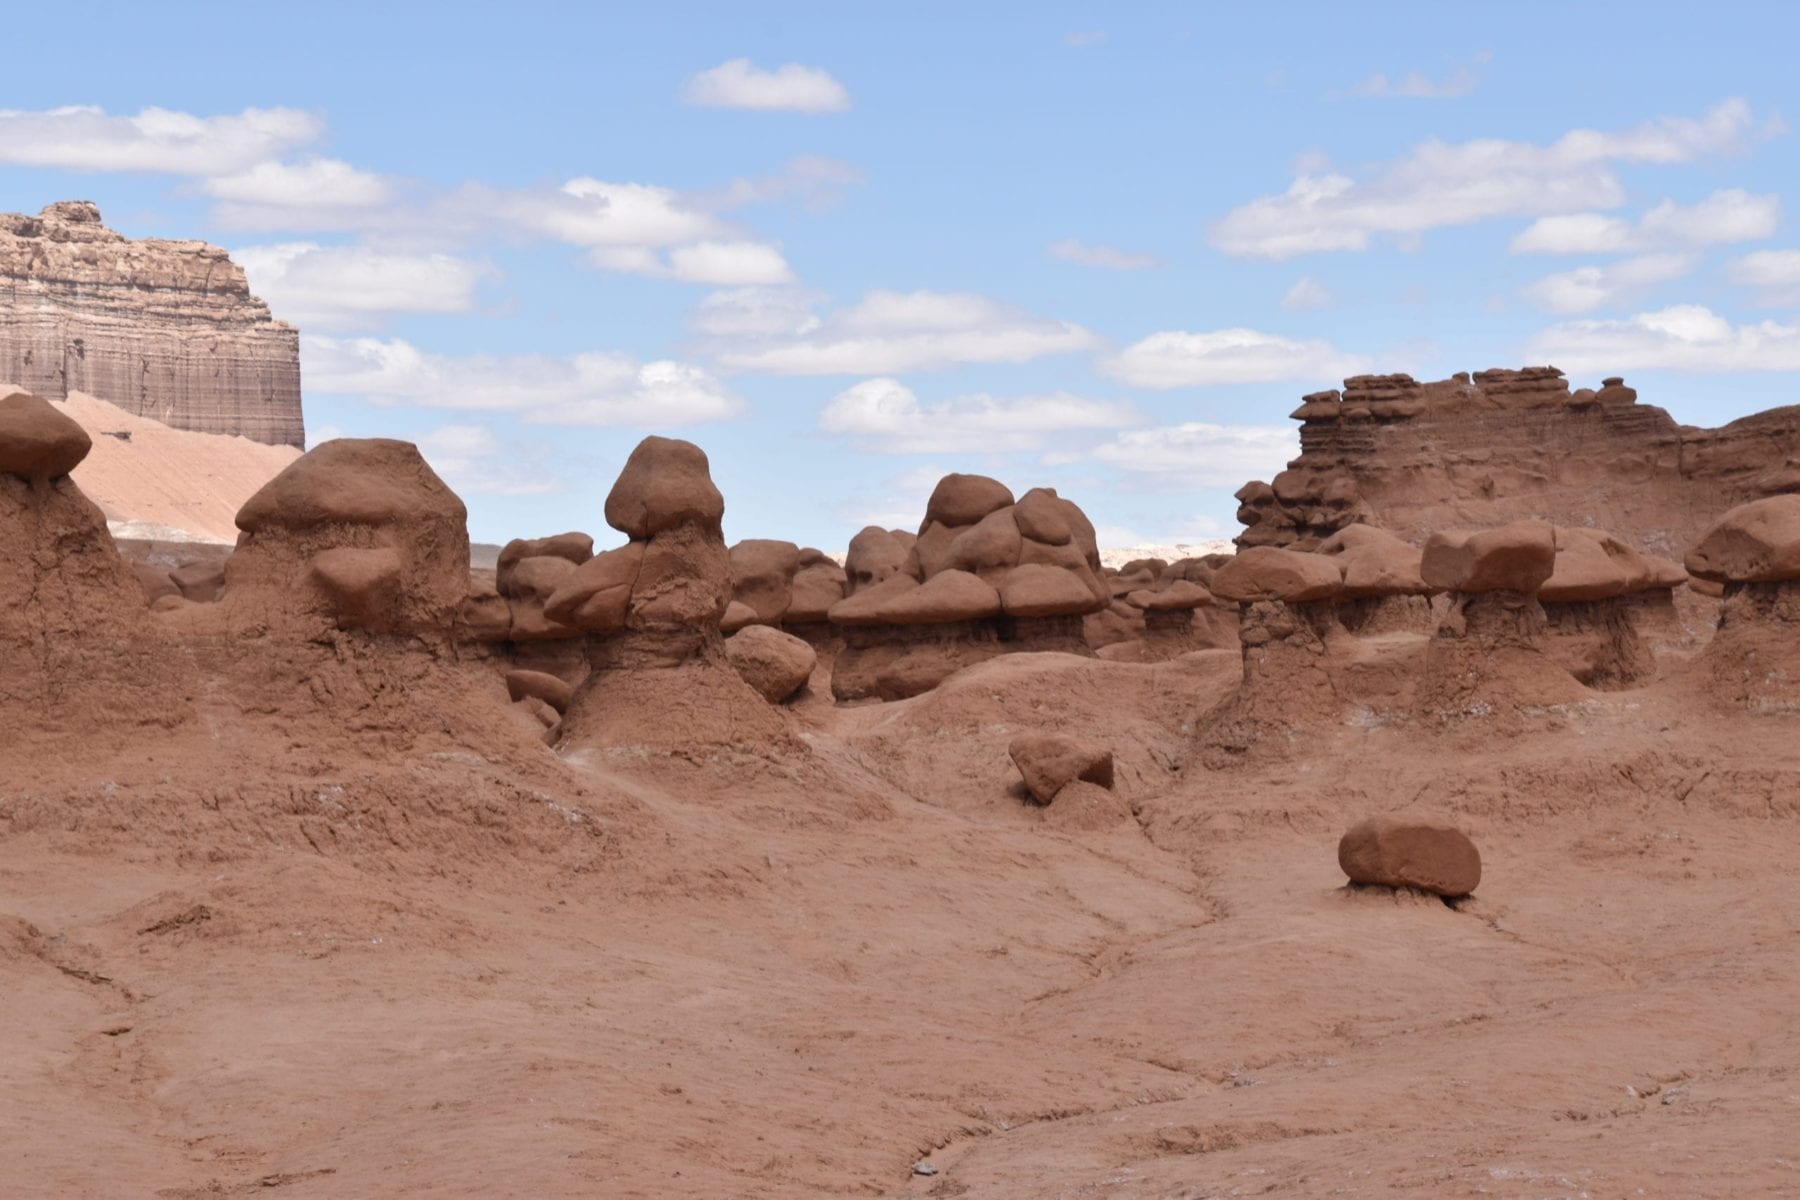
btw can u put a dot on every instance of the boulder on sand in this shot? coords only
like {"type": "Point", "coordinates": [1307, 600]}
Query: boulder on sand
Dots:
{"type": "Point", "coordinates": [1415, 852]}
{"type": "Point", "coordinates": [1051, 761]}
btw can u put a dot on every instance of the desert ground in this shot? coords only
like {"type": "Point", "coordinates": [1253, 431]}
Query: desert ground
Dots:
{"type": "Point", "coordinates": [294, 906]}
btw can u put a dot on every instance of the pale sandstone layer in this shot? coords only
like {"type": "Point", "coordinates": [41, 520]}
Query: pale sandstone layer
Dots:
{"type": "Point", "coordinates": [164, 329]}
{"type": "Point", "coordinates": [1482, 450]}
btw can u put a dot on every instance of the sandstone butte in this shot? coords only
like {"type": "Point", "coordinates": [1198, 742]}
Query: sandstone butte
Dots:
{"type": "Point", "coordinates": [162, 329]}
{"type": "Point", "coordinates": [1439, 844]}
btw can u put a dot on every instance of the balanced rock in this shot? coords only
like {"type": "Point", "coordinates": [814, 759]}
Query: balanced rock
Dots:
{"type": "Point", "coordinates": [1518, 557]}
{"type": "Point", "coordinates": [1758, 542]}
{"type": "Point", "coordinates": [37, 442]}
{"type": "Point", "coordinates": [1432, 856]}
{"type": "Point", "coordinates": [1266, 573]}
{"type": "Point", "coordinates": [666, 482]}
{"type": "Point", "coordinates": [1051, 761]}
{"type": "Point", "coordinates": [875, 556]}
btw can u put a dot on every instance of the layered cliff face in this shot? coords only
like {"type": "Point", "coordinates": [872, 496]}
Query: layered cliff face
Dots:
{"type": "Point", "coordinates": [163, 329]}
{"type": "Point", "coordinates": [1482, 450]}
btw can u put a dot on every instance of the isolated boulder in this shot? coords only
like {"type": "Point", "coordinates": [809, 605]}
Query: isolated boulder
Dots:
{"type": "Point", "coordinates": [1518, 557]}
{"type": "Point", "coordinates": [37, 442]}
{"type": "Point", "coordinates": [1051, 761]}
{"type": "Point", "coordinates": [1758, 542]}
{"type": "Point", "coordinates": [776, 664]}
{"type": "Point", "coordinates": [1414, 852]}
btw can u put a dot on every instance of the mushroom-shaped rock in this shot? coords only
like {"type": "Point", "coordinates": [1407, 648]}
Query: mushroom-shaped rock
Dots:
{"type": "Point", "coordinates": [1375, 562]}
{"type": "Point", "coordinates": [762, 573]}
{"type": "Point", "coordinates": [737, 616]}
{"type": "Point", "coordinates": [1518, 557]}
{"type": "Point", "coordinates": [542, 685]}
{"type": "Point", "coordinates": [595, 598]}
{"type": "Point", "coordinates": [1268, 573]}
{"type": "Point", "coordinates": [875, 555]}
{"type": "Point", "coordinates": [1050, 762]}
{"type": "Point", "coordinates": [1036, 590]}
{"type": "Point", "coordinates": [666, 482]}
{"type": "Point", "coordinates": [776, 664]}
{"type": "Point", "coordinates": [1595, 565]}
{"type": "Point", "coordinates": [1175, 596]}
{"type": "Point", "coordinates": [1432, 856]}
{"type": "Point", "coordinates": [945, 597]}
{"type": "Point", "coordinates": [1758, 542]}
{"type": "Point", "coordinates": [362, 584]}
{"type": "Point", "coordinates": [866, 605]}
{"type": "Point", "coordinates": [960, 500]}
{"type": "Point", "coordinates": [37, 442]}
{"type": "Point", "coordinates": [353, 481]}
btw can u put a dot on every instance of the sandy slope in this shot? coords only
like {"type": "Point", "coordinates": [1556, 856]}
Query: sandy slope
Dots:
{"type": "Point", "coordinates": [161, 480]}
{"type": "Point", "coordinates": [364, 937]}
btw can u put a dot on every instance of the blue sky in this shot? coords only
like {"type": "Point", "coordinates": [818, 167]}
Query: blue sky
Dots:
{"type": "Point", "coordinates": [847, 248]}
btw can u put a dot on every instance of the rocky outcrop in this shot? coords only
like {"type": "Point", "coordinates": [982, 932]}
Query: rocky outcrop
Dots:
{"type": "Point", "coordinates": [162, 329]}
{"type": "Point", "coordinates": [1484, 449]}
{"type": "Point", "coordinates": [986, 575]}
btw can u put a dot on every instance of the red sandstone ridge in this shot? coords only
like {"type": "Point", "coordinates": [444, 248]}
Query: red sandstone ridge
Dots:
{"type": "Point", "coordinates": [1484, 449]}
{"type": "Point", "coordinates": [164, 329]}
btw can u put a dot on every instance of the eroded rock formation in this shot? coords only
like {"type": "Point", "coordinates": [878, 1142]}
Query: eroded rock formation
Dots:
{"type": "Point", "coordinates": [163, 329]}
{"type": "Point", "coordinates": [1483, 449]}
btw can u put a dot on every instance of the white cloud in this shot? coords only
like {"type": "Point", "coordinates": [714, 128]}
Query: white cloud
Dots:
{"type": "Point", "coordinates": [1198, 454]}
{"type": "Point", "coordinates": [1175, 358]}
{"type": "Point", "coordinates": [1775, 273]}
{"type": "Point", "coordinates": [788, 88]}
{"type": "Point", "coordinates": [719, 263]}
{"type": "Point", "coordinates": [898, 504]}
{"type": "Point", "coordinates": [334, 287]}
{"type": "Point", "coordinates": [1587, 288]}
{"type": "Point", "coordinates": [474, 462]}
{"type": "Point", "coordinates": [889, 333]}
{"type": "Point", "coordinates": [1685, 337]}
{"type": "Point", "coordinates": [755, 312]}
{"type": "Point", "coordinates": [156, 139]}
{"type": "Point", "coordinates": [1728, 215]}
{"type": "Point", "coordinates": [325, 182]}
{"type": "Point", "coordinates": [581, 389]}
{"type": "Point", "coordinates": [594, 212]}
{"type": "Point", "coordinates": [1307, 294]}
{"type": "Point", "coordinates": [885, 415]}
{"type": "Point", "coordinates": [1441, 184]}
{"type": "Point", "coordinates": [1110, 257]}
{"type": "Point", "coordinates": [1418, 86]}
{"type": "Point", "coordinates": [814, 181]}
